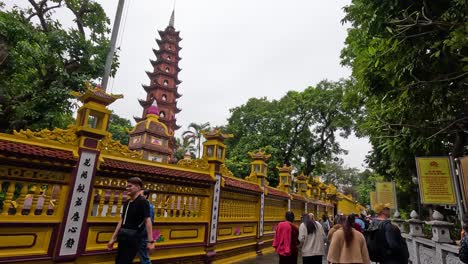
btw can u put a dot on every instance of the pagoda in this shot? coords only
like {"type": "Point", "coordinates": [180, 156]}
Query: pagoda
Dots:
{"type": "Point", "coordinates": [162, 91]}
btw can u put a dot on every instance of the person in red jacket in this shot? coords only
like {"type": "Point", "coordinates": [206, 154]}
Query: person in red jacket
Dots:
{"type": "Point", "coordinates": [286, 240]}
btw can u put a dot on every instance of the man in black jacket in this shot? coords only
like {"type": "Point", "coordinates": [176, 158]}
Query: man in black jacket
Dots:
{"type": "Point", "coordinates": [390, 244]}
{"type": "Point", "coordinates": [130, 230]}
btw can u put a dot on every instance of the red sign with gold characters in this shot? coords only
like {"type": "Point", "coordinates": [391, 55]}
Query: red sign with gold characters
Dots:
{"type": "Point", "coordinates": [435, 180]}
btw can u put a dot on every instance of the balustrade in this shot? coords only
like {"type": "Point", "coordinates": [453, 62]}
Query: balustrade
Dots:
{"type": "Point", "coordinates": [170, 202]}
{"type": "Point", "coordinates": [32, 194]}
{"type": "Point", "coordinates": [437, 249]}
{"type": "Point", "coordinates": [238, 207]}
{"type": "Point", "coordinates": [275, 209]}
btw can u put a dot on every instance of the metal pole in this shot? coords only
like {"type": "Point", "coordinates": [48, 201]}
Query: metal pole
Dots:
{"type": "Point", "coordinates": [394, 196]}
{"type": "Point", "coordinates": [110, 55]}
{"type": "Point", "coordinates": [457, 188]}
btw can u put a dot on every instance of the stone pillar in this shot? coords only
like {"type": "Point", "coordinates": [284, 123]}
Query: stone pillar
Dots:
{"type": "Point", "coordinates": [440, 228]}
{"type": "Point", "coordinates": [416, 225]}
{"type": "Point", "coordinates": [399, 222]}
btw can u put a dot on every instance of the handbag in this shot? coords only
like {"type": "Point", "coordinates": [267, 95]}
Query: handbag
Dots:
{"type": "Point", "coordinates": [128, 234]}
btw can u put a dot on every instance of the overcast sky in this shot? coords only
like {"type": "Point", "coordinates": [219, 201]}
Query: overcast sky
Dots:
{"type": "Point", "coordinates": [232, 50]}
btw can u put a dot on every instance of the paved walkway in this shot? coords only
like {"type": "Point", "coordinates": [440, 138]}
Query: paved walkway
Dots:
{"type": "Point", "coordinates": [270, 258]}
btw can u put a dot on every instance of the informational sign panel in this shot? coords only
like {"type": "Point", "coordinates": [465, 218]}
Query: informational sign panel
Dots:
{"type": "Point", "coordinates": [373, 199]}
{"type": "Point", "coordinates": [464, 176]}
{"type": "Point", "coordinates": [262, 210]}
{"type": "Point", "coordinates": [76, 211]}
{"type": "Point", "coordinates": [215, 210]}
{"type": "Point", "coordinates": [385, 193]}
{"type": "Point", "coordinates": [435, 180]}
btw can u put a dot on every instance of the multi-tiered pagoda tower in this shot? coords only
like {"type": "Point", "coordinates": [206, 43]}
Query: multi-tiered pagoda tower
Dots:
{"type": "Point", "coordinates": [162, 91]}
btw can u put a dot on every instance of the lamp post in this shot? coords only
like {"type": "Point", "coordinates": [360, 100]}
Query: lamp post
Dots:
{"type": "Point", "coordinates": [415, 180]}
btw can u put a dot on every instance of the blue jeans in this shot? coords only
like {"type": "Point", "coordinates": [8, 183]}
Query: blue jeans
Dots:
{"type": "Point", "coordinates": [143, 252]}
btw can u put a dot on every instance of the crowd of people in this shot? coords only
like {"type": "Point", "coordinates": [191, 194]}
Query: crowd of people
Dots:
{"type": "Point", "coordinates": [343, 239]}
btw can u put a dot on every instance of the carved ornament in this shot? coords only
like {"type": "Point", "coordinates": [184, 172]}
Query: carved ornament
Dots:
{"type": "Point", "coordinates": [225, 171]}
{"type": "Point", "coordinates": [63, 136]}
{"type": "Point", "coordinates": [196, 164]}
{"type": "Point", "coordinates": [114, 147]}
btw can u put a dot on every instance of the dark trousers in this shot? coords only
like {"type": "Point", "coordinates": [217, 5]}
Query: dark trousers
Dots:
{"type": "Point", "coordinates": [288, 259]}
{"type": "Point", "coordinates": [127, 251]}
{"type": "Point", "coordinates": [312, 260]}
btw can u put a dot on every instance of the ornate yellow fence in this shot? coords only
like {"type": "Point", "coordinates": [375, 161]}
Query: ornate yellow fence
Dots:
{"type": "Point", "coordinates": [202, 212]}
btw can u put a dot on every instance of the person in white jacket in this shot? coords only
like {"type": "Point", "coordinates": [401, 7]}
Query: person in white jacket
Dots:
{"type": "Point", "coordinates": [312, 237]}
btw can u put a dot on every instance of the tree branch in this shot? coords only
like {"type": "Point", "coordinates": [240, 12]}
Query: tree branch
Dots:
{"type": "Point", "coordinates": [447, 127]}
{"type": "Point", "coordinates": [40, 14]}
{"type": "Point", "coordinates": [434, 81]}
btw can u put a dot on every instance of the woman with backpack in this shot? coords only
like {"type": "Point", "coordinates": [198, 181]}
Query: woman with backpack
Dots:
{"type": "Point", "coordinates": [348, 245]}
{"type": "Point", "coordinates": [312, 238]}
{"type": "Point", "coordinates": [325, 223]}
{"type": "Point", "coordinates": [463, 253]}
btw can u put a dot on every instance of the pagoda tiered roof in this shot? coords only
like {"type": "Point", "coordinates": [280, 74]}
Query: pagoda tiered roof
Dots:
{"type": "Point", "coordinates": [168, 31]}
{"type": "Point", "coordinates": [147, 103]}
{"type": "Point", "coordinates": [162, 49]}
{"type": "Point", "coordinates": [149, 88]}
{"type": "Point", "coordinates": [155, 74]}
{"type": "Point", "coordinates": [155, 63]}
{"type": "Point", "coordinates": [158, 71]}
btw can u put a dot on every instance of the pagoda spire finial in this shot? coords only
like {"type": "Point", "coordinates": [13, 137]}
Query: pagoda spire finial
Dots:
{"type": "Point", "coordinates": [171, 21]}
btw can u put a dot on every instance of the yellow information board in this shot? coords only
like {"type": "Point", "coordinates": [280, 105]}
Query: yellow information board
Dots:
{"type": "Point", "coordinates": [373, 199]}
{"type": "Point", "coordinates": [435, 180]}
{"type": "Point", "coordinates": [464, 178]}
{"type": "Point", "coordinates": [385, 193]}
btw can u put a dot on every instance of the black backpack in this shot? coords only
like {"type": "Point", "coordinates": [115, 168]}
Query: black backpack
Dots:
{"type": "Point", "coordinates": [375, 242]}
{"type": "Point", "coordinates": [463, 252]}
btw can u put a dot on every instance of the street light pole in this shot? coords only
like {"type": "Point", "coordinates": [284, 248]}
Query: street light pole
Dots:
{"type": "Point", "coordinates": [110, 54]}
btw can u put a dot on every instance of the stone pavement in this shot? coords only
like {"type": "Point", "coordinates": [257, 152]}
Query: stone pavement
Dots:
{"type": "Point", "coordinates": [270, 258]}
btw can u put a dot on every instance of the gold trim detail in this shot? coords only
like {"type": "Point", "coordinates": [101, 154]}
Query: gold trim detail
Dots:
{"type": "Point", "coordinates": [63, 136]}
{"type": "Point", "coordinates": [196, 164]}
{"type": "Point", "coordinates": [114, 147]}
{"type": "Point", "coordinates": [225, 171]}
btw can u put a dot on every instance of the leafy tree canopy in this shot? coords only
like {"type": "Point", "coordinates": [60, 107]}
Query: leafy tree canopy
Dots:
{"type": "Point", "coordinates": [410, 69]}
{"type": "Point", "coordinates": [118, 127]}
{"type": "Point", "coordinates": [298, 129]}
{"type": "Point", "coordinates": [41, 61]}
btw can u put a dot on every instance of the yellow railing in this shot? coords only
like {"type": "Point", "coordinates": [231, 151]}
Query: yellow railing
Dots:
{"type": "Point", "coordinates": [31, 195]}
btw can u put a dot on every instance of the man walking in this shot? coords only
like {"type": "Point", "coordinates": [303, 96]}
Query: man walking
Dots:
{"type": "Point", "coordinates": [135, 218]}
{"type": "Point", "coordinates": [384, 240]}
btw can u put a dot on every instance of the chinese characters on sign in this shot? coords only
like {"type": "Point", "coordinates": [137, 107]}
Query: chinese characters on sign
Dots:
{"type": "Point", "coordinates": [435, 180]}
{"type": "Point", "coordinates": [214, 213]}
{"type": "Point", "coordinates": [77, 210]}
{"type": "Point", "coordinates": [262, 207]}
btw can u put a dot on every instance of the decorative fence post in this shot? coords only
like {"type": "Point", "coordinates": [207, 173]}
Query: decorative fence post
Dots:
{"type": "Point", "coordinates": [214, 151]}
{"type": "Point", "coordinates": [91, 122]}
{"type": "Point", "coordinates": [398, 221]}
{"type": "Point", "coordinates": [416, 225]}
{"type": "Point", "coordinates": [440, 234]}
{"type": "Point", "coordinates": [440, 228]}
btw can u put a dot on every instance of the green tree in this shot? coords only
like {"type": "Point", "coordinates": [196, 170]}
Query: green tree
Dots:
{"type": "Point", "coordinates": [409, 62]}
{"type": "Point", "coordinates": [185, 145]}
{"type": "Point", "coordinates": [299, 129]}
{"type": "Point", "coordinates": [118, 127]}
{"type": "Point", "coordinates": [40, 63]}
{"type": "Point", "coordinates": [195, 132]}
{"type": "Point", "coordinates": [346, 179]}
